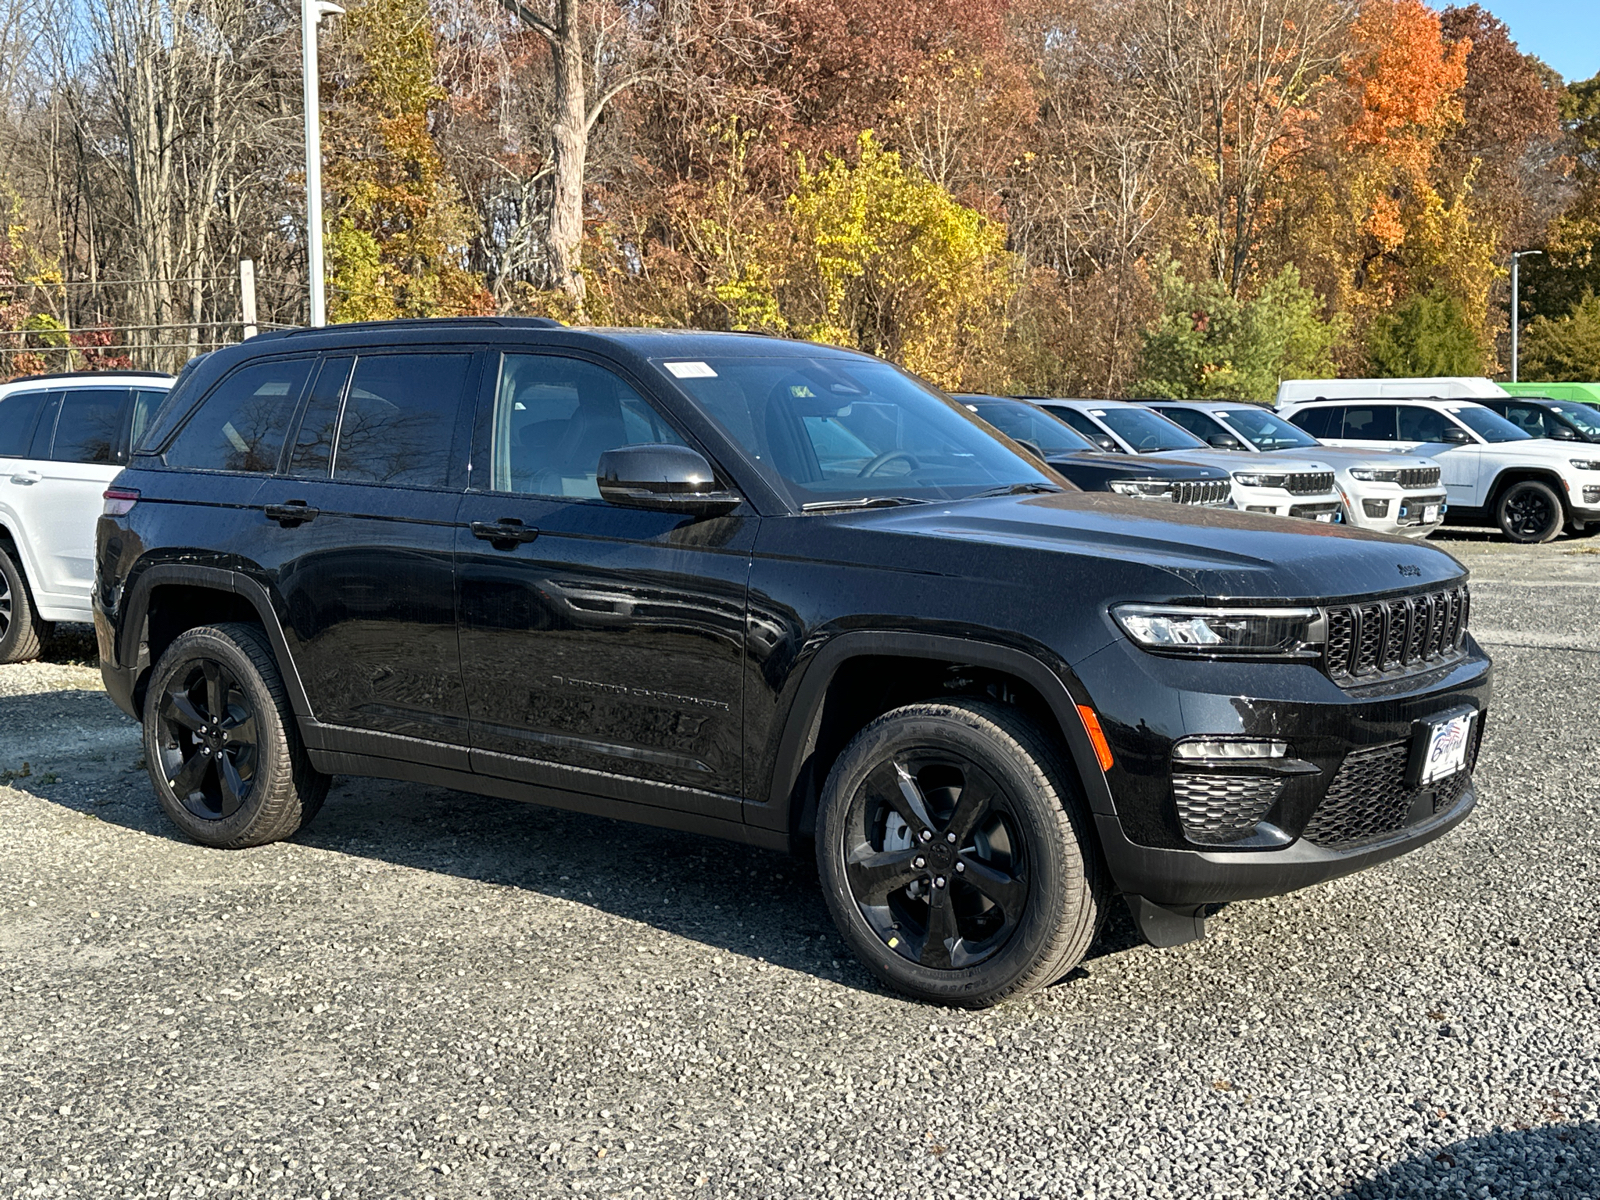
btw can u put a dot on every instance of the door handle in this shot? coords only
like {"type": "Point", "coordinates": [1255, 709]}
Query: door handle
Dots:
{"type": "Point", "coordinates": [27, 477]}
{"type": "Point", "coordinates": [505, 534]}
{"type": "Point", "coordinates": [290, 513]}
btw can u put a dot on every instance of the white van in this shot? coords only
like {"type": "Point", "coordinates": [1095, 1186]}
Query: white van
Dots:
{"type": "Point", "coordinates": [1441, 387]}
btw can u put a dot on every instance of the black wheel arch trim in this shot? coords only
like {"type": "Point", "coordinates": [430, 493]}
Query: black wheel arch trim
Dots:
{"type": "Point", "coordinates": [1548, 476]}
{"type": "Point", "coordinates": [135, 609]}
{"type": "Point", "coordinates": [1059, 687]}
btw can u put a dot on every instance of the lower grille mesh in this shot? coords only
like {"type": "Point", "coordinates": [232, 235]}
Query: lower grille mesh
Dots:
{"type": "Point", "coordinates": [1215, 809]}
{"type": "Point", "coordinates": [1369, 799]}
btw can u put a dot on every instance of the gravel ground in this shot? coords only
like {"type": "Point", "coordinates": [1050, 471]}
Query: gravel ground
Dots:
{"type": "Point", "coordinates": [432, 994]}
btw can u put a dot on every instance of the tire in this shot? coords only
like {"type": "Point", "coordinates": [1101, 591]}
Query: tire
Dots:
{"type": "Point", "coordinates": [1529, 512]}
{"type": "Point", "coordinates": [21, 630]}
{"type": "Point", "coordinates": [1028, 896]}
{"type": "Point", "coordinates": [213, 689]}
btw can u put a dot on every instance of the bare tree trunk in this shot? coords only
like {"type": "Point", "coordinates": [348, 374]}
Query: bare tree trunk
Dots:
{"type": "Point", "coordinates": [569, 147]}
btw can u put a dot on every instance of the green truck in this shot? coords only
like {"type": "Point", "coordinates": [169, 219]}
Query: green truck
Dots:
{"type": "Point", "coordinates": [1586, 393]}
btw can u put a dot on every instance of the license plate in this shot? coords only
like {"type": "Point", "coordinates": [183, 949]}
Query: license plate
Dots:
{"type": "Point", "coordinates": [1442, 746]}
{"type": "Point", "coordinates": [1430, 513]}
{"type": "Point", "coordinates": [1328, 518]}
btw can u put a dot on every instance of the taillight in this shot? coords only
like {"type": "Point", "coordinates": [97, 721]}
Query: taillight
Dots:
{"type": "Point", "coordinates": [120, 501]}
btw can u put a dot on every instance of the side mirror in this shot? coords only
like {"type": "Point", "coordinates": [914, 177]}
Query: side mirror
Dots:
{"type": "Point", "coordinates": [1562, 434]}
{"type": "Point", "coordinates": [1454, 435]}
{"type": "Point", "coordinates": [1224, 441]}
{"type": "Point", "coordinates": [1031, 447]}
{"type": "Point", "coordinates": [663, 478]}
{"type": "Point", "coordinates": [1107, 444]}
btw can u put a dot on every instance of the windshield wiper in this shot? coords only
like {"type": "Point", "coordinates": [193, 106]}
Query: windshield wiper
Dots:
{"type": "Point", "coordinates": [1016, 489]}
{"type": "Point", "coordinates": [862, 502]}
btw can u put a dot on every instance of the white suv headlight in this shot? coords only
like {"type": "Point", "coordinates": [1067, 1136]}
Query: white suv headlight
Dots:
{"type": "Point", "coordinates": [1375, 474]}
{"type": "Point", "coordinates": [1180, 629]}
{"type": "Point", "coordinates": [1585, 464]}
{"type": "Point", "coordinates": [1259, 479]}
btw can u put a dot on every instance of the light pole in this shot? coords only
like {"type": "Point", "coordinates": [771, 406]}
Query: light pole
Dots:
{"type": "Point", "coordinates": [1516, 315]}
{"type": "Point", "coordinates": [311, 14]}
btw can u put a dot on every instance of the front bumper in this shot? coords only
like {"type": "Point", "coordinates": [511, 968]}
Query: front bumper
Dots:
{"type": "Point", "coordinates": [1279, 503]}
{"type": "Point", "coordinates": [1387, 508]}
{"type": "Point", "coordinates": [1147, 703]}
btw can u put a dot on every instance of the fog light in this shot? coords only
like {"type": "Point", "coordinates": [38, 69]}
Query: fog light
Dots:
{"type": "Point", "coordinates": [1230, 748]}
{"type": "Point", "coordinates": [1591, 495]}
{"type": "Point", "coordinates": [1376, 508]}
{"type": "Point", "coordinates": [1266, 508]}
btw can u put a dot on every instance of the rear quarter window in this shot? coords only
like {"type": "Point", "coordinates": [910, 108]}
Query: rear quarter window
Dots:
{"type": "Point", "coordinates": [18, 411]}
{"type": "Point", "coordinates": [241, 425]}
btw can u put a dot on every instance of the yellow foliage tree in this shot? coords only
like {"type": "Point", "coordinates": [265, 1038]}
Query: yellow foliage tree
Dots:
{"type": "Point", "coordinates": [885, 260]}
{"type": "Point", "coordinates": [399, 228]}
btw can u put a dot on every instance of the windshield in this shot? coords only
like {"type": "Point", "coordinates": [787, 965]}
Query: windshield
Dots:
{"type": "Point", "coordinates": [829, 429]}
{"type": "Point", "coordinates": [1145, 431]}
{"type": "Point", "coordinates": [1581, 415]}
{"type": "Point", "coordinates": [1025, 423]}
{"type": "Point", "coordinates": [1490, 426]}
{"type": "Point", "coordinates": [1266, 431]}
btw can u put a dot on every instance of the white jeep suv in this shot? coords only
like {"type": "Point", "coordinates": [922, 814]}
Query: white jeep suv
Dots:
{"type": "Point", "coordinates": [1301, 486]}
{"type": "Point", "coordinates": [63, 438]}
{"type": "Point", "coordinates": [1494, 472]}
{"type": "Point", "coordinates": [1384, 491]}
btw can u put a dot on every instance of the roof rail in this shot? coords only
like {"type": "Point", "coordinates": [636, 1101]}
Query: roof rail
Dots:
{"type": "Point", "coordinates": [426, 322]}
{"type": "Point", "coordinates": [84, 375]}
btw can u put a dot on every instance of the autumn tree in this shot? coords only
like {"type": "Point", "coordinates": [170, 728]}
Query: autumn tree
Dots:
{"type": "Point", "coordinates": [398, 228]}
{"type": "Point", "coordinates": [1563, 348]}
{"type": "Point", "coordinates": [1555, 284]}
{"type": "Point", "coordinates": [1210, 345]}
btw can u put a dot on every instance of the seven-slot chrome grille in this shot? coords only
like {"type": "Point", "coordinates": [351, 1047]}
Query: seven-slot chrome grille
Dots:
{"type": "Point", "coordinates": [1419, 477]}
{"type": "Point", "coordinates": [1201, 491]}
{"type": "Point", "coordinates": [1407, 634]}
{"type": "Point", "coordinates": [1309, 483]}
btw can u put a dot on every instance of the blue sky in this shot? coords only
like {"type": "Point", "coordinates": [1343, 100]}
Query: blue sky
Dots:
{"type": "Point", "coordinates": [1565, 33]}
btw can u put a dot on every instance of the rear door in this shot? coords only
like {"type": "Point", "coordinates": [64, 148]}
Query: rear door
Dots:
{"type": "Point", "coordinates": [356, 537]}
{"type": "Point", "coordinates": [75, 453]}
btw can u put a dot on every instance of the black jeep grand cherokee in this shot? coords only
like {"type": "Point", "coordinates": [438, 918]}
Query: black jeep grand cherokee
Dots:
{"type": "Point", "coordinates": [778, 593]}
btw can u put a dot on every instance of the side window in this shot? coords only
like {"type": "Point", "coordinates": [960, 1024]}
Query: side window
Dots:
{"type": "Point", "coordinates": [1197, 423]}
{"type": "Point", "coordinates": [1419, 424]}
{"type": "Point", "coordinates": [313, 445]}
{"type": "Point", "coordinates": [241, 425]}
{"type": "Point", "coordinates": [90, 425]}
{"type": "Point", "coordinates": [1528, 419]}
{"type": "Point", "coordinates": [45, 431]}
{"type": "Point", "coordinates": [1369, 422]}
{"type": "Point", "coordinates": [1323, 421]}
{"type": "Point", "coordinates": [17, 413]}
{"type": "Point", "coordinates": [399, 419]}
{"type": "Point", "coordinates": [554, 417]}
{"type": "Point", "coordinates": [145, 403]}
{"type": "Point", "coordinates": [1088, 428]}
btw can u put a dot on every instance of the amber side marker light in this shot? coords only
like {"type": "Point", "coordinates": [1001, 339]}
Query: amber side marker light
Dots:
{"type": "Point", "coordinates": [1097, 736]}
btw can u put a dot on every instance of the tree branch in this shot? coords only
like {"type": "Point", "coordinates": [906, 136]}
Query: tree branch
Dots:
{"type": "Point", "coordinates": [612, 92]}
{"type": "Point", "coordinates": [531, 19]}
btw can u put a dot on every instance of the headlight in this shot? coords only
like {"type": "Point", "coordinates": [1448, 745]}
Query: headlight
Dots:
{"type": "Point", "coordinates": [1150, 489]}
{"type": "Point", "coordinates": [1585, 464]}
{"type": "Point", "coordinates": [1179, 629]}
{"type": "Point", "coordinates": [1375, 475]}
{"type": "Point", "coordinates": [1256, 479]}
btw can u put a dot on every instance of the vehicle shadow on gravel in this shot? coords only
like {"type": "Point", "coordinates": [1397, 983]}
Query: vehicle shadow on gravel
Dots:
{"type": "Point", "coordinates": [759, 904]}
{"type": "Point", "coordinates": [1546, 1161]}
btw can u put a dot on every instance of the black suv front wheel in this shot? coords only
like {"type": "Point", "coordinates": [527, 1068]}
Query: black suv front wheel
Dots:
{"type": "Point", "coordinates": [221, 743]}
{"type": "Point", "coordinates": [956, 856]}
{"type": "Point", "coordinates": [1530, 512]}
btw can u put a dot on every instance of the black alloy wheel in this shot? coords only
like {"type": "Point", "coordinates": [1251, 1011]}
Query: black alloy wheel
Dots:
{"type": "Point", "coordinates": [957, 855]}
{"type": "Point", "coordinates": [938, 869]}
{"type": "Point", "coordinates": [221, 742]}
{"type": "Point", "coordinates": [1530, 512]}
{"type": "Point", "coordinates": [206, 731]}
{"type": "Point", "coordinates": [5, 606]}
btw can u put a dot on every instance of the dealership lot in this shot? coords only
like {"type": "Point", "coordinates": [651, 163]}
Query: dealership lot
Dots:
{"type": "Point", "coordinates": [428, 993]}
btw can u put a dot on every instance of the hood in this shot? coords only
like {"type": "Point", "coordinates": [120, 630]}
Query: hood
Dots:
{"type": "Point", "coordinates": [1340, 457]}
{"type": "Point", "coordinates": [1545, 451]}
{"type": "Point", "coordinates": [1219, 554]}
{"type": "Point", "coordinates": [1135, 466]}
{"type": "Point", "coordinates": [1243, 460]}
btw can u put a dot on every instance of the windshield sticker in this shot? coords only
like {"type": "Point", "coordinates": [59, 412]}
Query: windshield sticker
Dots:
{"type": "Point", "coordinates": [691, 370]}
{"type": "Point", "coordinates": [1097, 412]}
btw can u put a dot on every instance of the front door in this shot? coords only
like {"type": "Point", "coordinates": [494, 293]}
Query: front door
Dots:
{"type": "Point", "coordinates": [357, 539]}
{"type": "Point", "coordinates": [601, 646]}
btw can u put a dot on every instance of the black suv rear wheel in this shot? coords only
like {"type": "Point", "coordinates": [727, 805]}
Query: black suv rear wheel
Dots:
{"type": "Point", "coordinates": [1529, 512]}
{"type": "Point", "coordinates": [956, 856]}
{"type": "Point", "coordinates": [221, 743]}
{"type": "Point", "coordinates": [21, 630]}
